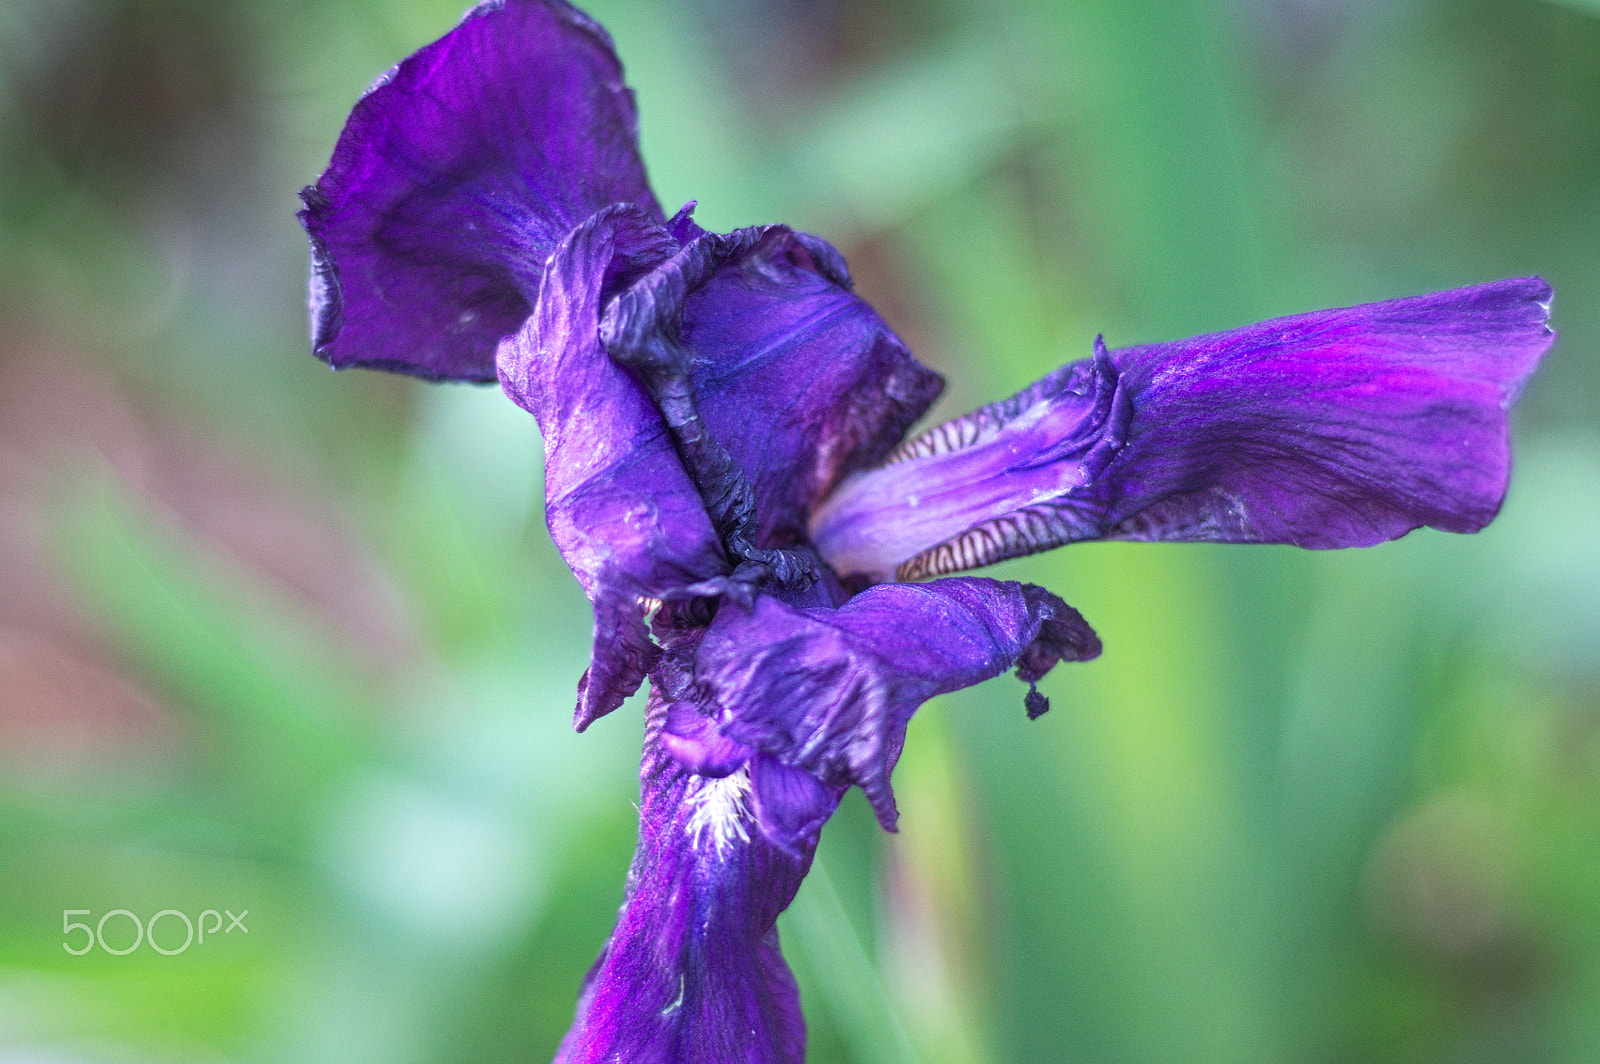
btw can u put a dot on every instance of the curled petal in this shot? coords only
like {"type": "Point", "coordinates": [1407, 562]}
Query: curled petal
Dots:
{"type": "Point", "coordinates": [1340, 428]}
{"type": "Point", "coordinates": [453, 180]}
{"type": "Point", "coordinates": [630, 335]}
{"type": "Point", "coordinates": [617, 501]}
{"type": "Point", "coordinates": [776, 380]}
{"type": "Point", "coordinates": [800, 378]}
{"type": "Point", "coordinates": [954, 493]}
{"type": "Point", "coordinates": [829, 691]}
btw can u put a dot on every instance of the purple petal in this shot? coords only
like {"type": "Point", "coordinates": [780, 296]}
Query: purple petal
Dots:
{"type": "Point", "coordinates": [790, 804]}
{"type": "Point", "coordinates": [454, 179]}
{"type": "Point", "coordinates": [801, 380]}
{"type": "Point", "coordinates": [617, 501]}
{"type": "Point", "coordinates": [692, 974]}
{"type": "Point", "coordinates": [977, 473]}
{"type": "Point", "coordinates": [692, 738]}
{"type": "Point", "coordinates": [754, 339]}
{"type": "Point", "coordinates": [830, 691]}
{"type": "Point", "coordinates": [1340, 428]}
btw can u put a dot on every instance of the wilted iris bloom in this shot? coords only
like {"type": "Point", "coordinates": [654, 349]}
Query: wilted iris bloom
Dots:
{"type": "Point", "coordinates": [726, 475]}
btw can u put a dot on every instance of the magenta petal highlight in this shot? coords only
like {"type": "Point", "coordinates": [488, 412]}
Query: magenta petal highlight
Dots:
{"type": "Point", "coordinates": [1341, 428]}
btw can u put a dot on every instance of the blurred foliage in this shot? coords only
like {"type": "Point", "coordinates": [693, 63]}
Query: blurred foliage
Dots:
{"type": "Point", "coordinates": [278, 640]}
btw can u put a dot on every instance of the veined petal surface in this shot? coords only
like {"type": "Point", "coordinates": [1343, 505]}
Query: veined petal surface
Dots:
{"type": "Point", "coordinates": [618, 503]}
{"type": "Point", "coordinates": [454, 178]}
{"type": "Point", "coordinates": [692, 974]}
{"type": "Point", "coordinates": [800, 377]}
{"type": "Point", "coordinates": [797, 380]}
{"type": "Point", "coordinates": [1341, 428]}
{"type": "Point", "coordinates": [830, 691]}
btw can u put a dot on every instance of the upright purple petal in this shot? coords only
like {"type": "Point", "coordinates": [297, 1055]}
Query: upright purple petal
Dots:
{"type": "Point", "coordinates": [801, 378]}
{"type": "Point", "coordinates": [755, 338]}
{"type": "Point", "coordinates": [453, 180]}
{"type": "Point", "coordinates": [1340, 428]}
{"type": "Point", "coordinates": [618, 504]}
{"type": "Point", "coordinates": [692, 974]}
{"type": "Point", "coordinates": [828, 692]}
{"type": "Point", "coordinates": [799, 382]}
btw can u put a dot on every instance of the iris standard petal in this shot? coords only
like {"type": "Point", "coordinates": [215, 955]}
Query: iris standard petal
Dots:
{"type": "Point", "coordinates": [830, 691]}
{"type": "Point", "coordinates": [454, 178]}
{"type": "Point", "coordinates": [692, 974]}
{"type": "Point", "coordinates": [1340, 428]}
{"type": "Point", "coordinates": [801, 377]}
{"type": "Point", "coordinates": [619, 505]}
{"type": "Point", "coordinates": [754, 339]}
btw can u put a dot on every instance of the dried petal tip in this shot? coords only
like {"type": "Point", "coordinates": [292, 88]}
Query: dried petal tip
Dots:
{"type": "Point", "coordinates": [830, 691]}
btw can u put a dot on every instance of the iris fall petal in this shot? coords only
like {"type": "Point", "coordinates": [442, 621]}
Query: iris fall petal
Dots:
{"type": "Point", "coordinates": [830, 691]}
{"type": "Point", "coordinates": [1340, 428]}
{"type": "Point", "coordinates": [692, 973]}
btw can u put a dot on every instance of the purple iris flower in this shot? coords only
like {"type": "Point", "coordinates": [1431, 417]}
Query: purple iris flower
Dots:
{"type": "Point", "coordinates": [727, 476]}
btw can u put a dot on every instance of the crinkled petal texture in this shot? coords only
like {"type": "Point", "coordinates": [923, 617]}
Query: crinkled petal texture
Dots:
{"type": "Point", "coordinates": [1341, 428]}
{"type": "Point", "coordinates": [692, 974]}
{"type": "Point", "coordinates": [619, 505]}
{"type": "Point", "coordinates": [802, 381]}
{"type": "Point", "coordinates": [828, 692]}
{"type": "Point", "coordinates": [455, 177]}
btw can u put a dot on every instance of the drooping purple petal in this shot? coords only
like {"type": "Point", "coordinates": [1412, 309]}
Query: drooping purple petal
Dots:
{"type": "Point", "coordinates": [454, 178]}
{"type": "Point", "coordinates": [692, 974]}
{"type": "Point", "coordinates": [1340, 428]}
{"type": "Point", "coordinates": [789, 803]}
{"type": "Point", "coordinates": [618, 504]}
{"type": "Point", "coordinates": [829, 691]}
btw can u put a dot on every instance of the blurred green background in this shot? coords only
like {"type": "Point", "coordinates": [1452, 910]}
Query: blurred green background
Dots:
{"type": "Point", "coordinates": [282, 641]}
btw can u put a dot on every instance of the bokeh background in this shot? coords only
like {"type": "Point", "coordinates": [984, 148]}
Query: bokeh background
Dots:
{"type": "Point", "coordinates": [279, 640]}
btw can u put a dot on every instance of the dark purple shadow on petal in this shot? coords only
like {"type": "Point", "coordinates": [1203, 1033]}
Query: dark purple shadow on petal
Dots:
{"type": "Point", "coordinates": [692, 974]}
{"type": "Point", "coordinates": [693, 739]}
{"type": "Point", "coordinates": [618, 504]}
{"type": "Point", "coordinates": [454, 178]}
{"type": "Point", "coordinates": [800, 379]}
{"type": "Point", "coordinates": [1340, 428]}
{"type": "Point", "coordinates": [790, 804]}
{"type": "Point", "coordinates": [829, 691]}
